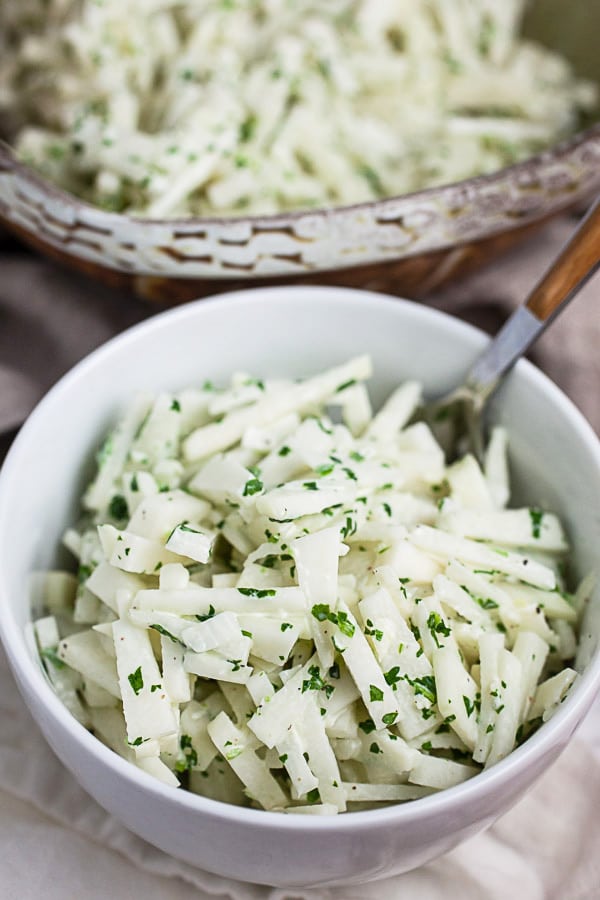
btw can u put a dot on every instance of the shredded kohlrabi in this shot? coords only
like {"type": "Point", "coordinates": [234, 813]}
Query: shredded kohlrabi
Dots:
{"type": "Point", "coordinates": [198, 107]}
{"type": "Point", "coordinates": [284, 600]}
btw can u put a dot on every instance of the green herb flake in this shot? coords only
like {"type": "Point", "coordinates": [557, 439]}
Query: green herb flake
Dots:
{"type": "Point", "coordinates": [334, 671]}
{"type": "Point", "coordinates": [233, 753]}
{"type": "Point", "coordinates": [50, 654]}
{"type": "Point", "coordinates": [321, 611]}
{"type": "Point", "coordinates": [349, 528]}
{"type": "Point", "coordinates": [371, 631]}
{"type": "Point", "coordinates": [284, 451]}
{"type": "Point", "coordinates": [536, 516]}
{"type": "Point", "coordinates": [389, 718]}
{"type": "Point", "coordinates": [437, 626]}
{"type": "Point", "coordinates": [313, 796]}
{"type": "Point", "coordinates": [257, 592]}
{"type": "Point", "coordinates": [285, 625]}
{"type": "Point", "coordinates": [375, 748]}
{"type": "Point", "coordinates": [209, 615]}
{"type": "Point", "coordinates": [375, 693]}
{"type": "Point", "coordinates": [345, 625]}
{"type": "Point", "coordinates": [367, 726]}
{"type": "Point", "coordinates": [252, 486]}
{"type": "Point", "coordinates": [136, 680]}
{"type": "Point", "coordinates": [190, 756]}
{"type": "Point", "coordinates": [426, 687]}
{"type": "Point", "coordinates": [325, 469]}
{"type": "Point", "coordinates": [316, 682]}
{"type": "Point", "coordinates": [176, 406]}
{"type": "Point", "coordinates": [345, 385]}
{"type": "Point", "coordinates": [310, 485]}
{"type": "Point", "coordinates": [486, 602]}
{"type": "Point", "coordinates": [469, 705]}
{"type": "Point", "coordinates": [117, 507]}
{"type": "Point", "coordinates": [163, 631]}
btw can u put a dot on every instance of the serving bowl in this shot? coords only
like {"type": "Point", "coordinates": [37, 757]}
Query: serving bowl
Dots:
{"type": "Point", "coordinates": [414, 242]}
{"type": "Point", "coordinates": [293, 332]}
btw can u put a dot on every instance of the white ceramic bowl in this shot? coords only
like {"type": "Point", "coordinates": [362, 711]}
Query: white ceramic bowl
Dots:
{"type": "Point", "coordinates": [292, 331]}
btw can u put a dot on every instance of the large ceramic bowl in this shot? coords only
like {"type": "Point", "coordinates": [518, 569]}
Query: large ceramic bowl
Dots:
{"type": "Point", "coordinates": [289, 331]}
{"type": "Point", "coordinates": [410, 244]}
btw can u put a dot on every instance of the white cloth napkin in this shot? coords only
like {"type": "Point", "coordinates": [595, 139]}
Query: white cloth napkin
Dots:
{"type": "Point", "coordinates": [56, 843]}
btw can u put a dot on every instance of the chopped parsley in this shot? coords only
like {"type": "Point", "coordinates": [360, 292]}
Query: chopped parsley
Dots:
{"type": "Point", "coordinates": [117, 507]}
{"type": "Point", "coordinates": [136, 680]}
{"type": "Point", "coordinates": [209, 615]}
{"type": "Point", "coordinates": [323, 613]}
{"type": "Point", "coordinates": [190, 757]}
{"type": "Point", "coordinates": [349, 528]}
{"type": "Point", "coordinates": [371, 631]}
{"type": "Point", "coordinates": [325, 469]}
{"type": "Point", "coordinates": [436, 626]}
{"type": "Point", "coordinates": [52, 656]}
{"type": "Point", "coordinates": [375, 693]}
{"type": "Point", "coordinates": [316, 682]}
{"type": "Point", "coordinates": [252, 486]}
{"type": "Point", "coordinates": [257, 592]}
{"type": "Point", "coordinates": [345, 385]}
{"type": "Point", "coordinates": [367, 726]}
{"type": "Point", "coordinates": [163, 631]}
{"type": "Point", "coordinates": [536, 516]}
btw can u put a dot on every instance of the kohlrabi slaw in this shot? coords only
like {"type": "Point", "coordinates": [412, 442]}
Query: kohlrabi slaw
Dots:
{"type": "Point", "coordinates": [208, 107]}
{"type": "Point", "coordinates": [287, 601]}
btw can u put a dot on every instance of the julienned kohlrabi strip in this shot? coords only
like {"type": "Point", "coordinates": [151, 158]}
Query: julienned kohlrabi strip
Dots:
{"type": "Point", "coordinates": [289, 602]}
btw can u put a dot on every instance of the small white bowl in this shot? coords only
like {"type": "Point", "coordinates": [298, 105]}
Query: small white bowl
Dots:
{"type": "Point", "coordinates": [293, 331]}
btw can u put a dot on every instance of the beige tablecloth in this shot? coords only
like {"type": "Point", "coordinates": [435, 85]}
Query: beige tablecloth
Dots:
{"type": "Point", "coordinates": [58, 844]}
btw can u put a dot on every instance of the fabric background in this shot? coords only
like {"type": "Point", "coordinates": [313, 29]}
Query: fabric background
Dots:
{"type": "Point", "coordinates": [57, 843]}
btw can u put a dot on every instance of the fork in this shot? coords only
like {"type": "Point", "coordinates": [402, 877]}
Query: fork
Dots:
{"type": "Point", "coordinates": [456, 418]}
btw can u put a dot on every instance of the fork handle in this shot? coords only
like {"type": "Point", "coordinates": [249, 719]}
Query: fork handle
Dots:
{"type": "Point", "coordinates": [575, 265]}
{"type": "Point", "coordinates": [577, 262]}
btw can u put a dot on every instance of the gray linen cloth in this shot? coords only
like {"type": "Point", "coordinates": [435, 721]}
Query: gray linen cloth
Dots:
{"type": "Point", "coordinates": [56, 842]}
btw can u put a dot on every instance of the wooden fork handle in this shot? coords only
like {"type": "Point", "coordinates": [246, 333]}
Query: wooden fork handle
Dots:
{"type": "Point", "coordinates": [577, 262]}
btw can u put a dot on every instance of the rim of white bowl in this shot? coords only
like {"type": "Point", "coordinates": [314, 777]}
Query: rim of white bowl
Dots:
{"type": "Point", "coordinates": [12, 635]}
